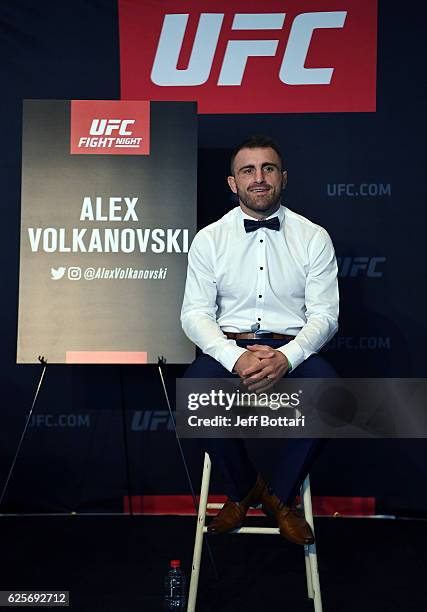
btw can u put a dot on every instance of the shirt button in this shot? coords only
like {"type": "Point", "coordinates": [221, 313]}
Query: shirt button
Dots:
{"type": "Point", "coordinates": [259, 319]}
{"type": "Point", "coordinates": [261, 268]}
{"type": "Point", "coordinates": [260, 296]}
{"type": "Point", "coordinates": [261, 240]}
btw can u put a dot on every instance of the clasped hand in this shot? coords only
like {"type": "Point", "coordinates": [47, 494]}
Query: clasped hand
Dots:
{"type": "Point", "coordinates": [261, 367]}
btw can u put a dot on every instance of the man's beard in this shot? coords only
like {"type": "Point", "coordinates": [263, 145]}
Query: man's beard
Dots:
{"type": "Point", "coordinates": [267, 203]}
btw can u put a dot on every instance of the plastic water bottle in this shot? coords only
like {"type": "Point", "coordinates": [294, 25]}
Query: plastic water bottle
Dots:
{"type": "Point", "coordinates": [175, 587]}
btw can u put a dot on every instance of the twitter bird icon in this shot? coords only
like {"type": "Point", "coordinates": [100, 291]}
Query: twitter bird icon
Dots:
{"type": "Point", "coordinates": [57, 273]}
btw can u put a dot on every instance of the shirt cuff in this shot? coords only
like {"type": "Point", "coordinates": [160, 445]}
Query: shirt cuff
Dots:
{"type": "Point", "coordinates": [293, 352]}
{"type": "Point", "coordinates": [229, 355]}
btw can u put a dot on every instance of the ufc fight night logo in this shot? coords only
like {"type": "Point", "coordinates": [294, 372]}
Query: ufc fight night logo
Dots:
{"type": "Point", "coordinates": [110, 127]}
{"type": "Point", "coordinates": [281, 57]}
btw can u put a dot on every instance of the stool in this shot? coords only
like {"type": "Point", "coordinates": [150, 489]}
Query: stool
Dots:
{"type": "Point", "coordinates": [312, 574]}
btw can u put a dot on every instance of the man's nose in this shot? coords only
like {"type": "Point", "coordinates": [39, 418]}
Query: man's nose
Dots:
{"type": "Point", "coordinates": [259, 175]}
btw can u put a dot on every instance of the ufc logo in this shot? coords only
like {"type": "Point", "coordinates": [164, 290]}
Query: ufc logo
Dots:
{"type": "Point", "coordinates": [281, 57]}
{"type": "Point", "coordinates": [105, 127]}
{"type": "Point", "coordinates": [101, 127]}
{"type": "Point", "coordinates": [292, 70]}
{"type": "Point", "coordinates": [353, 267]}
{"type": "Point", "coordinates": [151, 420]}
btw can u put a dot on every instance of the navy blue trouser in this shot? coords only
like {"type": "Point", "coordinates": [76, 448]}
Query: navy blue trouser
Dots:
{"type": "Point", "coordinates": [294, 456]}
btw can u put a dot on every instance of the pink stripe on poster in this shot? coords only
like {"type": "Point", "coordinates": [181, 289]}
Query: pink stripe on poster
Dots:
{"type": "Point", "coordinates": [112, 357]}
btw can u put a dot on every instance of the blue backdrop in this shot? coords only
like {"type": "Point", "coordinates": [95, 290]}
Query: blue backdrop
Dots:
{"type": "Point", "coordinates": [360, 175]}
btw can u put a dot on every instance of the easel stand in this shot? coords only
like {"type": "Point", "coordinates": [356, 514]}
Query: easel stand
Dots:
{"type": "Point", "coordinates": [43, 362]}
{"type": "Point", "coordinates": [161, 361]}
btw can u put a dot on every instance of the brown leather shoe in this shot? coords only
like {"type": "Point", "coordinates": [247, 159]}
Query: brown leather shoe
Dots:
{"type": "Point", "coordinates": [291, 522]}
{"type": "Point", "coordinates": [232, 514]}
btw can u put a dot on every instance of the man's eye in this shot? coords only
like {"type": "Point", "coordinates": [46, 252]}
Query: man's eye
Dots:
{"type": "Point", "coordinates": [248, 170]}
{"type": "Point", "coordinates": [269, 168]}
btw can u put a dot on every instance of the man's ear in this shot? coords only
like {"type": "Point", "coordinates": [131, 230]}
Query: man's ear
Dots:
{"type": "Point", "coordinates": [232, 183]}
{"type": "Point", "coordinates": [285, 179]}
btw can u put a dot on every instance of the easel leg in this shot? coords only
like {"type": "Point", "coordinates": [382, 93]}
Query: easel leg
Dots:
{"type": "Point", "coordinates": [125, 440]}
{"type": "Point", "coordinates": [184, 462]}
{"type": "Point", "coordinates": [9, 476]}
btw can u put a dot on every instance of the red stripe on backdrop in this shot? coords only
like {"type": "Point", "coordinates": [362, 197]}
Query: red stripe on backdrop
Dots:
{"type": "Point", "coordinates": [182, 505]}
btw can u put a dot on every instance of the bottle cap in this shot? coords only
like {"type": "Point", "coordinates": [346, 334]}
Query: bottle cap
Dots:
{"type": "Point", "coordinates": [175, 563]}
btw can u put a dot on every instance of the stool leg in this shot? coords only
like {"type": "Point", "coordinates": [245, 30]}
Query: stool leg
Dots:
{"type": "Point", "coordinates": [198, 543]}
{"type": "Point", "coordinates": [310, 591]}
{"type": "Point", "coordinates": [310, 552]}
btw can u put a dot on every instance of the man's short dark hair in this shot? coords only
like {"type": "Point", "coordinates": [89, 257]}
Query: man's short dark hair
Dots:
{"type": "Point", "coordinates": [256, 142]}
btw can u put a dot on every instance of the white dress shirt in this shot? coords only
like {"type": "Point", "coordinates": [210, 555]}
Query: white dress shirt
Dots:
{"type": "Point", "coordinates": [284, 280]}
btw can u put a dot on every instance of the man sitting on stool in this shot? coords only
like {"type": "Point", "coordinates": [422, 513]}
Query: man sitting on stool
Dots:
{"type": "Point", "coordinates": [261, 299]}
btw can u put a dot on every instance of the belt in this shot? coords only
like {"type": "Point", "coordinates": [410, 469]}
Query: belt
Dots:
{"type": "Point", "coordinates": [257, 336]}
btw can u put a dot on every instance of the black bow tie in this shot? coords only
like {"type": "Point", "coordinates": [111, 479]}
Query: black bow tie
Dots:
{"type": "Point", "coordinates": [252, 226]}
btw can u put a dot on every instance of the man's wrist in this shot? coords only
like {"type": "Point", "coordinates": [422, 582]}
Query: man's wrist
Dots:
{"type": "Point", "coordinates": [288, 361]}
{"type": "Point", "coordinates": [293, 353]}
